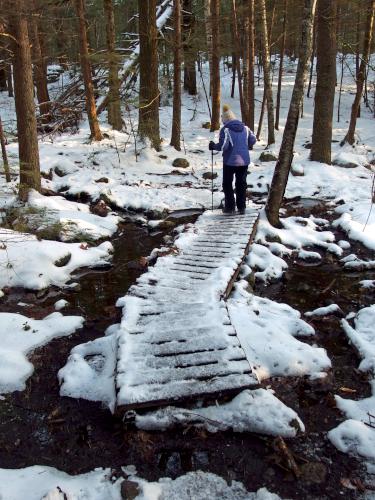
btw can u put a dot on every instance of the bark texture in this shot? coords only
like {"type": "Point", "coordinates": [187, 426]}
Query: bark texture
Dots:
{"type": "Point", "coordinates": [114, 102]}
{"type": "Point", "coordinates": [96, 134]}
{"type": "Point", "coordinates": [4, 153]}
{"type": "Point", "coordinates": [177, 53]}
{"type": "Point", "coordinates": [216, 93]}
{"type": "Point", "coordinates": [249, 87]}
{"type": "Point", "coordinates": [267, 74]}
{"type": "Point", "coordinates": [280, 177]}
{"type": "Point", "coordinates": [326, 11]}
{"type": "Point", "coordinates": [149, 94]}
{"type": "Point", "coordinates": [190, 55]}
{"type": "Point", "coordinates": [40, 67]}
{"type": "Point", "coordinates": [281, 64]}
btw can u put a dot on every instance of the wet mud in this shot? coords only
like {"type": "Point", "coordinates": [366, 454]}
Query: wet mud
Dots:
{"type": "Point", "coordinates": [37, 426]}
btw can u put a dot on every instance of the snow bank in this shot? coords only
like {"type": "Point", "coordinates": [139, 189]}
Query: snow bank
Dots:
{"type": "Point", "coordinates": [36, 264]}
{"type": "Point", "coordinates": [357, 434]}
{"type": "Point", "coordinates": [46, 483]}
{"type": "Point", "coordinates": [74, 217]}
{"type": "Point", "coordinates": [90, 370]}
{"type": "Point", "coordinates": [323, 311]}
{"type": "Point", "coordinates": [267, 332]}
{"type": "Point", "coordinates": [251, 411]}
{"type": "Point", "coordinates": [19, 336]}
{"type": "Point", "coordinates": [358, 221]}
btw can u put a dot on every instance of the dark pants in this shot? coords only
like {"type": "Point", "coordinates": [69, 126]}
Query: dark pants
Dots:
{"type": "Point", "coordinates": [241, 185]}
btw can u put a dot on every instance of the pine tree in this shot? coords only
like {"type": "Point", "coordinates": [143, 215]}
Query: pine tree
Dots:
{"type": "Point", "coordinates": [176, 120]}
{"type": "Point", "coordinates": [325, 80]}
{"type": "Point", "coordinates": [114, 103]}
{"type": "Point", "coordinates": [28, 150]}
{"type": "Point", "coordinates": [216, 91]}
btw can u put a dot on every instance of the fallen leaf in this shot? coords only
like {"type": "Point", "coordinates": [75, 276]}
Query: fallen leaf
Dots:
{"type": "Point", "coordinates": [348, 390]}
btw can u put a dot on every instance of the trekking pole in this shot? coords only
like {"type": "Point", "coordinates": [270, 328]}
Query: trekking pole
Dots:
{"type": "Point", "coordinates": [212, 181]}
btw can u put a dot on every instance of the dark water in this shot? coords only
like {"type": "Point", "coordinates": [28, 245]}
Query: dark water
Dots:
{"type": "Point", "coordinates": [37, 426]}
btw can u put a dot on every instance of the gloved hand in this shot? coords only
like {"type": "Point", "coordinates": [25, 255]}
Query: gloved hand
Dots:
{"type": "Point", "coordinates": [211, 146]}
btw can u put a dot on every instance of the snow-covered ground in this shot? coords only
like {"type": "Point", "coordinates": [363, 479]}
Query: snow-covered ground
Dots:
{"type": "Point", "coordinates": [129, 175]}
{"type": "Point", "coordinates": [46, 483]}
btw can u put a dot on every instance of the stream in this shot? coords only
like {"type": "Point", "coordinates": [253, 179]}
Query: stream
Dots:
{"type": "Point", "coordinates": [37, 426]}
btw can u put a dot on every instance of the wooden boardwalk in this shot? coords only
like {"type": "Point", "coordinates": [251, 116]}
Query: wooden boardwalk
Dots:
{"type": "Point", "coordinates": [177, 342]}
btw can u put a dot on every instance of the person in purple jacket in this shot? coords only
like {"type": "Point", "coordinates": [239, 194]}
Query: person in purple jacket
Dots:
{"type": "Point", "coordinates": [235, 140]}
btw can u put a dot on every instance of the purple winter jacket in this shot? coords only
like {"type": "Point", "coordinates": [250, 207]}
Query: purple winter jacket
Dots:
{"type": "Point", "coordinates": [235, 140]}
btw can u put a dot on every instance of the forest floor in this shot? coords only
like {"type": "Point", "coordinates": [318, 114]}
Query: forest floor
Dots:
{"type": "Point", "coordinates": [323, 257]}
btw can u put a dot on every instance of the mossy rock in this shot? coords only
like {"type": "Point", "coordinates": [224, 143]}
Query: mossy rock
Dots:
{"type": "Point", "coordinates": [63, 261]}
{"type": "Point", "coordinates": [181, 163]}
{"type": "Point", "coordinates": [206, 125]}
{"type": "Point", "coordinates": [267, 156]}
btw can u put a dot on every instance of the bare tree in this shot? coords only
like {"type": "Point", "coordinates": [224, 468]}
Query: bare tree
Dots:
{"type": "Point", "coordinates": [4, 153]}
{"type": "Point", "coordinates": [215, 13]}
{"type": "Point", "coordinates": [177, 52]}
{"type": "Point", "coordinates": [148, 125]}
{"type": "Point", "coordinates": [280, 177]}
{"type": "Point", "coordinates": [40, 68]}
{"type": "Point", "coordinates": [249, 88]}
{"type": "Point", "coordinates": [114, 103]}
{"type": "Point", "coordinates": [96, 134]}
{"type": "Point", "coordinates": [325, 82]}
{"type": "Point", "coordinates": [190, 53]}
{"type": "Point", "coordinates": [361, 72]}
{"type": "Point", "coordinates": [28, 150]}
{"type": "Point", "coordinates": [281, 64]}
{"type": "Point", "coordinates": [267, 74]}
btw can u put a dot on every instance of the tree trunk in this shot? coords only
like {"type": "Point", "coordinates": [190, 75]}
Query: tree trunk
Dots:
{"type": "Point", "coordinates": [282, 51]}
{"type": "Point", "coordinates": [325, 81]}
{"type": "Point", "coordinates": [10, 80]}
{"type": "Point", "coordinates": [4, 153]}
{"type": "Point", "coordinates": [249, 89]}
{"type": "Point", "coordinates": [40, 68]}
{"type": "Point", "coordinates": [28, 150]}
{"type": "Point", "coordinates": [267, 74]}
{"type": "Point", "coordinates": [280, 177]}
{"type": "Point", "coordinates": [176, 120]}
{"type": "Point", "coordinates": [148, 126]}
{"type": "Point", "coordinates": [190, 56]}
{"type": "Point", "coordinates": [208, 24]}
{"type": "Point", "coordinates": [114, 103]}
{"type": "Point", "coordinates": [361, 73]}
{"type": "Point", "coordinates": [312, 59]}
{"type": "Point", "coordinates": [215, 13]}
{"type": "Point", "coordinates": [3, 78]}
{"type": "Point", "coordinates": [238, 58]}
{"type": "Point", "coordinates": [96, 134]}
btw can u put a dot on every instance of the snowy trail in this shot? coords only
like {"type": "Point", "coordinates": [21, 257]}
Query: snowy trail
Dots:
{"type": "Point", "coordinates": [176, 339]}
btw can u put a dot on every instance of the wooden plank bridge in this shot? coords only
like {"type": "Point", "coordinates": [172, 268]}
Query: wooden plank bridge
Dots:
{"type": "Point", "coordinates": [177, 342]}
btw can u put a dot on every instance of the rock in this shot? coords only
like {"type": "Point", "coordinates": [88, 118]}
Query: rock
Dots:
{"type": "Point", "coordinates": [345, 160]}
{"type": "Point", "coordinates": [63, 261]}
{"type": "Point", "coordinates": [100, 208]}
{"type": "Point", "coordinates": [40, 294]}
{"type": "Point", "coordinates": [55, 494]}
{"type": "Point", "coordinates": [344, 164]}
{"type": "Point", "coordinates": [307, 145]}
{"type": "Point", "coordinates": [166, 225]}
{"type": "Point", "coordinates": [180, 163]}
{"type": "Point", "coordinates": [95, 163]}
{"type": "Point", "coordinates": [129, 489]}
{"type": "Point", "coordinates": [209, 175]}
{"type": "Point", "coordinates": [163, 157]}
{"type": "Point", "coordinates": [206, 125]}
{"type": "Point", "coordinates": [102, 179]}
{"type": "Point", "coordinates": [59, 171]}
{"type": "Point", "coordinates": [267, 156]}
{"type": "Point", "coordinates": [297, 170]}
{"type": "Point", "coordinates": [47, 192]}
{"type": "Point", "coordinates": [47, 175]}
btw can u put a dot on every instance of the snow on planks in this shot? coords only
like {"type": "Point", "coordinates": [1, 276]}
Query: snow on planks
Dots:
{"type": "Point", "coordinates": [177, 342]}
